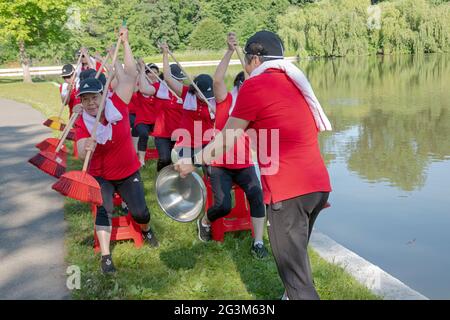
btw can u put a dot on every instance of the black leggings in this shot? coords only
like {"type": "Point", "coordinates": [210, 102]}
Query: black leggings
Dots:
{"type": "Point", "coordinates": [221, 182]}
{"type": "Point", "coordinates": [164, 147]}
{"type": "Point", "coordinates": [143, 132]}
{"type": "Point", "coordinates": [134, 132]}
{"type": "Point", "coordinates": [131, 190]}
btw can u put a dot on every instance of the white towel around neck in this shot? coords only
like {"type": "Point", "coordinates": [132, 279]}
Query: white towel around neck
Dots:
{"type": "Point", "coordinates": [302, 83]}
{"type": "Point", "coordinates": [104, 133]}
{"type": "Point", "coordinates": [190, 103]}
{"type": "Point", "coordinates": [163, 91]}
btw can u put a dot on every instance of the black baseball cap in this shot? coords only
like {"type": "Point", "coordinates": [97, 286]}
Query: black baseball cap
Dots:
{"type": "Point", "coordinates": [272, 46]}
{"type": "Point", "coordinates": [67, 70]}
{"type": "Point", "coordinates": [152, 65]}
{"type": "Point", "coordinates": [176, 72]}
{"type": "Point", "coordinates": [91, 73]}
{"type": "Point", "coordinates": [205, 83]}
{"type": "Point", "coordinates": [90, 85]}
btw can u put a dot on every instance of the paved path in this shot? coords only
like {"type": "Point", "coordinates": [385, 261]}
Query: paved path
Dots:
{"type": "Point", "coordinates": [31, 214]}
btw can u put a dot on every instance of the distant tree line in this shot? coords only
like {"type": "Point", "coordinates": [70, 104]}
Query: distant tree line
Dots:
{"type": "Point", "coordinates": [51, 30]}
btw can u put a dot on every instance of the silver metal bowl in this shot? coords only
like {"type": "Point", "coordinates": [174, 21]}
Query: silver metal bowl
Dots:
{"type": "Point", "coordinates": [182, 199]}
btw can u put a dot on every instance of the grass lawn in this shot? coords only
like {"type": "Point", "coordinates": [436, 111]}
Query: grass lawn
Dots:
{"type": "Point", "coordinates": [183, 267]}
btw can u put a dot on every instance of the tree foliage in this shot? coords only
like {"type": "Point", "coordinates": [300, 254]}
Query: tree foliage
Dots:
{"type": "Point", "coordinates": [353, 27]}
{"type": "Point", "coordinates": [52, 30]}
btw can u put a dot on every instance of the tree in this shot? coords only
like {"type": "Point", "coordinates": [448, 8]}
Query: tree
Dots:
{"type": "Point", "coordinates": [30, 22]}
{"type": "Point", "coordinates": [209, 34]}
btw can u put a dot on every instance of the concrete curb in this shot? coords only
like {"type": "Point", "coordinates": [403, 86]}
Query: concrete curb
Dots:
{"type": "Point", "coordinates": [373, 277]}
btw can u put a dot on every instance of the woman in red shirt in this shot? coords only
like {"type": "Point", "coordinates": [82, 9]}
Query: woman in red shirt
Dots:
{"type": "Point", "coordinates": [168, 118]}
{"type": "Point", "coordinates": [235, 166]}
{"type": "Point", "coordinates": [295, 181]}
{"type": "Point", "coordinates": [64, 88]}
{"type": "Point", "coordinates": [114, 163]}
{"type": "Point", "coordinates": [146, 113]}
{"type": "Point", "coordinates": [197, 116]}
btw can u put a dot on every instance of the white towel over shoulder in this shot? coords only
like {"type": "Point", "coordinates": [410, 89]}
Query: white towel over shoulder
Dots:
{"type": "Point", "coordinates": [303, 85]}
{"type": "Point", "coordinates": [190, 103]}
{"type": "Point", "coordinates": [104, 133]}
{"type": "Point", "coordinates": [163, 91]}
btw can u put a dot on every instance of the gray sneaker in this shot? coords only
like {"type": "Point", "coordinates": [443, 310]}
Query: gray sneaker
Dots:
{"type": "Point", "coordinates": [204, 233]}
{"type": "Point", "coordinates": [259, 251]}
{"type": "Point", "coordinates": [108, 265]}
{"type": "Point", "coordinates": [150, 238]}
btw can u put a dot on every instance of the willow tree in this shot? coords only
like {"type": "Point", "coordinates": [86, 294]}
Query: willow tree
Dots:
{"type": "Point", "coordinates": [25, 23]}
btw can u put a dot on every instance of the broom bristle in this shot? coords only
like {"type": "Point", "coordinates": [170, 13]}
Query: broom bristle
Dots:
{"type": "Point", "coordinates": [49, 163]}
{"type": "Point", "coordinates": [80, 186]}
{"type": "Point", "coordinates": [50, 145]}
{"type": "Point", "coordinates": [71, 135]}
{"type": "Point", "coordinates": [47, 122]}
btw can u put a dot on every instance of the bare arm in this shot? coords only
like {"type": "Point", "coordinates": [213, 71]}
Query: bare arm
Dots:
{"type": "Point", "coordinates": [222, 142]}
{"type": "Point", "coordinates": [176, 86]}
{"type": "Point", "coordinates": [220, 89]}
{"type": "Point", "coordinates": [127, 75]}
{"type": "Point", "coordinates": [144, 84]}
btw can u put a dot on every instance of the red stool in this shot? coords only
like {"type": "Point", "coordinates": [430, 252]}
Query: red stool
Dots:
{"type": "Point", "coordinates": [151, 154]}
{"type": "Point", "coordinates": [237, 220]}
{"type": "Point", "coordinates": [123, 228]}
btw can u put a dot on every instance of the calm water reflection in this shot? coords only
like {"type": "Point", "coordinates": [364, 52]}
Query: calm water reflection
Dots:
{"type": "Point", "coordinates": [389, 160]}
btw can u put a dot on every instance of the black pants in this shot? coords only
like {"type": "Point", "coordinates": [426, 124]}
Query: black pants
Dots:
{"type": "Point", "coordinates": [290, 224]}
{"type": "Point", "coordinates": [164, 147]}
{"type": "Point", "coordinates": [143, 131]}
{"type": "Point", "coordinates": [134, 132]}
{"type": "Point", "coordinates": [131, 190]}
{"type": "Point", "coordinates": [221, 182]}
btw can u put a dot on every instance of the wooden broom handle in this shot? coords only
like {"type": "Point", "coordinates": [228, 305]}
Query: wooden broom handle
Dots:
{"type": "Point", "coordinates": [238, 52]}
{"type": "Point", "coordinates": [160, 80]}
{"type": "Point", "coordinates": [72, 79]}
{"type": "Point", "coordinates": [75, 115]}
{"type": "Point", "coordinates": [72, 120]}
{"type": "Point", "coordinates": [191, 81]}
{"type": "Point", "coordinates": [105, 90]}
{"type": "Point", "coordinates": [99, 71]}
{"type": "Point", "coordinates": [102, 104]}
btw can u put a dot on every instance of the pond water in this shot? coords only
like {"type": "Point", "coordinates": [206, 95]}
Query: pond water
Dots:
{"type": "Point", "coordinates": [389, 162]}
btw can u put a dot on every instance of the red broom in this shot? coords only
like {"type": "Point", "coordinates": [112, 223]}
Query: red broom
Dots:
{"type": "Point", "coordinates": [54, 163]}
{"type": "Point", "coordinates": [57, 123]}
{"type": "Point", "coordinates": [80, 185]}
{"type": "Point", "coordinates": [71, 135]}
{"type": "Point", "coordinates": [50, 145]}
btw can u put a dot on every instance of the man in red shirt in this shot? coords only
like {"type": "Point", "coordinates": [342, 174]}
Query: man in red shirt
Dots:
{"type": "Point", "coordinates": [297, 190]}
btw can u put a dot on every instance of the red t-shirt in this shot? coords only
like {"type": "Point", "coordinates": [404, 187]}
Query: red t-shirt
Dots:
{"type": "Point", "coordinates": [134, 103]}
{"type": "Point", "coordinates": [169, 116]}
{"type": "Point", "coordinates": [240, 154]}
{"type": "Point", "coordinates": [188, 119]}
{"type": "Point", "coordinates": [146, 113]}
{"type": "Point", "coordinates": [272, 101]}
{"type": "Point", "coordinates": [117, 158]}
{"type": "Point", "coordinates": [73, 100]}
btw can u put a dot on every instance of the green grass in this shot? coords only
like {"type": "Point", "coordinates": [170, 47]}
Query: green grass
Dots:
{"type": "Point", "coordinates": [183, 267]}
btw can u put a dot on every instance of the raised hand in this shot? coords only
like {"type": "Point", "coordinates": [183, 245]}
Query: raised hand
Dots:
{"type": "Point", "coordinates": [231, 41]}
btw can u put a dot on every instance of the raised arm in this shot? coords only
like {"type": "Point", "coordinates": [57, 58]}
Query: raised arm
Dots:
{"type": "Point", "coordinates": [127, 76]}
{"type": "Point", "coordinates": [176, 86]}
{"type": "Point", "coordinates": [220, 89]}
{"type": "Point", "coordinates": [144, 84]}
